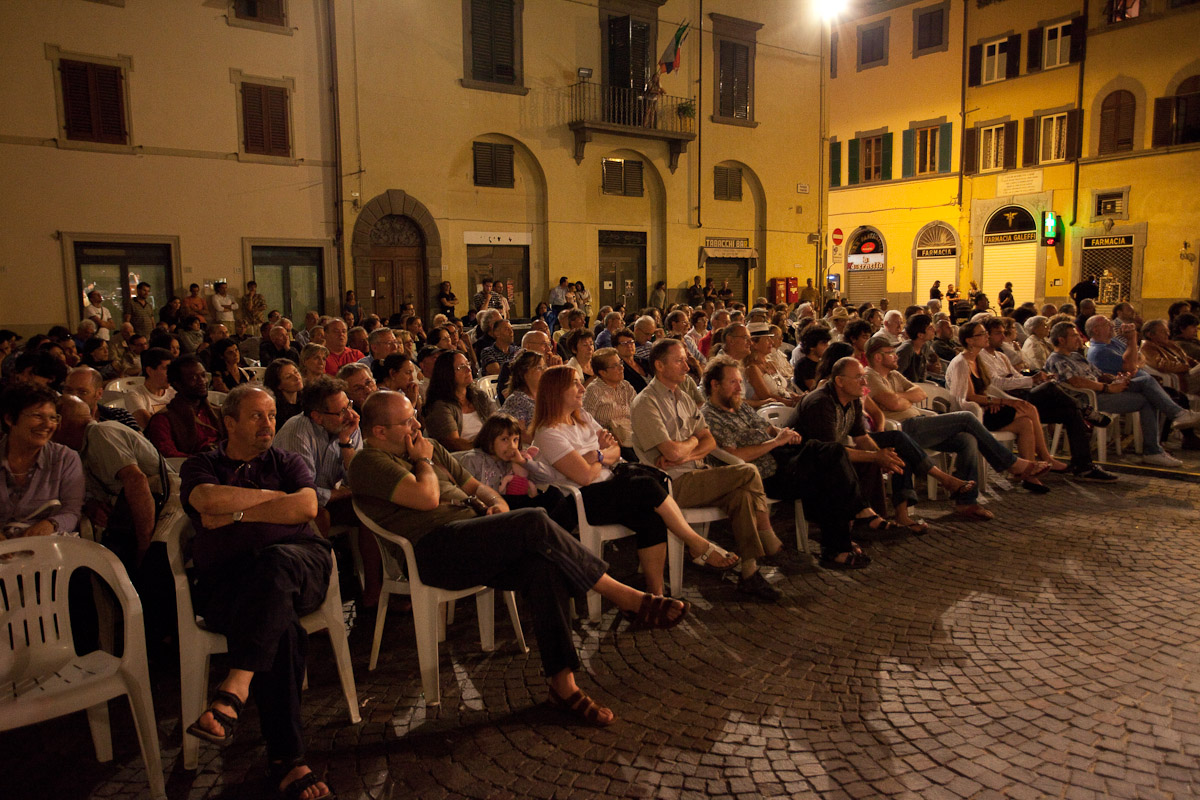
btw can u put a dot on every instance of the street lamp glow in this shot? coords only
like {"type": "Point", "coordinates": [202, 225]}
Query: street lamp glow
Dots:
{"type": "Point", "coordinates": [831, 9]}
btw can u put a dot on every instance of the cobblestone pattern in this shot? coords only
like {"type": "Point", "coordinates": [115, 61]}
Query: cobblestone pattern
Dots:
{"type": "Point", "coordinates": [1050, 653]}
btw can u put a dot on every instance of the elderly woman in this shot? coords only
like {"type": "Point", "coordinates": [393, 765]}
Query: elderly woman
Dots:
{"type": "Point", "coordinates": [312, 361]}
{"type": "Point", "coordinates": [767, 382]}
{"type": "Point", "coordinates": [1036, 348]}
{"type": "Point", "coordinates": [524, 375]}
{"type": "Point", "coordinates": [1183, 333]}
{"type": "Point", "coordinates": [609, 399]}
{"type": "Point", "coordinates": [454, 408]}
{"type": "Point", "coordinates": [578, 452]}
{"type": "Point", "coordinates": [225, 359]}
{"type": "Point", "coordinates": [42, 488]}
{"type": "Point", "coordinates": [284, 380]}
{"type": "Point", "coordinates": [967, 379]}
{"type": "Point", "coordinates": [634, 371]}
{"type": "Point", "coordinates": [581, 344]}
{"type": "Point", "coordinates": [1010, 347]}
{"type": "Point", "coordinates": [1167, 356]}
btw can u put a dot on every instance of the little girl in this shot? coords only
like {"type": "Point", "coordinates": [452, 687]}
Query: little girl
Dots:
{"type": "Point", "coordinates": [498, 462]}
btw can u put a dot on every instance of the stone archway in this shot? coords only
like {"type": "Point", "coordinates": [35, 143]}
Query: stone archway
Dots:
{"type": "Point", "coordinates": [396, 203]}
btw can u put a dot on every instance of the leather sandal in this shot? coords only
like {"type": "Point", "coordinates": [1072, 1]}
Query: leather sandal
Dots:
{"type": "Point", "coordinates": [976, 513]}
{"type": "Point", "coordinates": [278, 770]}
{"type": "Point", "coordinates": [582, 707]}
{"type": "Point", "coordinates": [962, 490]}
{"type": "Point", "coordinates": [228, 723]}
{"type": "Point", "coordinates": [655, 612]}
{"type": "Point", "coordinates": [853, 561]}
{"type": "Point", "coordinates": [711, 552]}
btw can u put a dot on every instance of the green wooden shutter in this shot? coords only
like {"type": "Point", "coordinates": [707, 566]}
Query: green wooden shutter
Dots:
{"type": "Point", "coordinates": [852, 176]}
{"type": "Point", "coordinates": [945, 138]}
{"type": "Point", "coordinates": [1029, 156]}
{"type": "Point", "coordinates": [908, 158]}
{"type": "Point", "coordinates": [885, 172]}
{"type": "Point", "coordinates": [835, 164]}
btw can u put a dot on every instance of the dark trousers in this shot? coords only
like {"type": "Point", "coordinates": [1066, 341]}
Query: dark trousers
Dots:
{"type": "Point", "coordinates": [916, 463]}
{"type": "Point", "coordinates": [522, 551]}
{"type": "Point", "coordinates": [257, 601]}
{"type": "Point", "coordinates": [1057, 407]}
{"type": "Point", "coordinates": [628, 501]}
{"type": "Point", "coordinates": [821, 476]}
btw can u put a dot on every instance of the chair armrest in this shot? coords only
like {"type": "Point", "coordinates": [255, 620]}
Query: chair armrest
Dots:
{"type": "Point", "coordinates": [725, 457]}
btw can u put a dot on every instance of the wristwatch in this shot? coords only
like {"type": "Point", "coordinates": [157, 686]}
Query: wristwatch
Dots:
{"type": "Point", "coordinates": [237, 516]}
{"type": "Point", "coordinates": [599, 456]}
{"type": "Point", "coordinates": [428, 461]}
{"type": "Point", "coordinates": [346, 445]}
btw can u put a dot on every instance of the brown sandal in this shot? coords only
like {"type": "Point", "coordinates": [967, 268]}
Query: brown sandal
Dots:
{"type": "Point", "coordinates": [655, 612]}
{"type": "Point", "coordinates": [581, 706]}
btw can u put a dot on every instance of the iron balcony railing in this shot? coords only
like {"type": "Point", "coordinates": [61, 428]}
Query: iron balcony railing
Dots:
{"type": "Point", "coordinates": [644, 110]}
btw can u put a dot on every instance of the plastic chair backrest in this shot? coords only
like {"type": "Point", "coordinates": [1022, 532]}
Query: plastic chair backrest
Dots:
{"type": "Point", "coordinates": [257, 372]}
{"type": "Point", "coordinates": [125, 384]}
{"type": "Point", "coordinates": [216, 399]}
{"type": "Point", "coordinates": [488, 384]}
{"type": "Point", "coordinates": [774, 413]}
{"type": "Point", "coordinates": [414, 578]}
{"type": "Point", "coordinates": [35, 620]}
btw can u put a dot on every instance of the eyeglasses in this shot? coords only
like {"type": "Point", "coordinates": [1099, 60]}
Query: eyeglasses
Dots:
{"type": "Point", "coordinates": [401, 423]}
{"type": "Point", "coordinates": [340, 413]}
{"type": "Point", "coordinates": [462, 368]}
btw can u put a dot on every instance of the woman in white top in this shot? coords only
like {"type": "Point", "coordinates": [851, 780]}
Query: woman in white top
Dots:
{"type": "Point", "coordinates": [581, 344]}
{"type": "Point", "coordinates": [577, 451]}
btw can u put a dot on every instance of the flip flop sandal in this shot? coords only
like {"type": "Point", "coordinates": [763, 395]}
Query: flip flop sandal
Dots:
{"type": "Point", "coordinates": [220, 717]}
{"type": "Point", "coordinates": [582, 707]}
{"type": "Point", "coordinates": [853, 561]}
{"type": "Point", "coordinates": [712, 550]}
{"type": "Point", "coordinates": [884, 526]}
{"type": "Point", "coordinates": [918, 527]}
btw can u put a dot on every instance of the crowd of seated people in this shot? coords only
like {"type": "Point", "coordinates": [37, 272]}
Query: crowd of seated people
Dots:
{"type": "Point", "coordinates": [273, 448]}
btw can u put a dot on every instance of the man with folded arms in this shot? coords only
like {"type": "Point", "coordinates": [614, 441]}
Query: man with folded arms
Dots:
{"type": "Point", "coordinates": [669, 432]}
{"type": "Point", "coordinates": [413, 487]}
{"type": "Point", "coordinates": [259, 568]}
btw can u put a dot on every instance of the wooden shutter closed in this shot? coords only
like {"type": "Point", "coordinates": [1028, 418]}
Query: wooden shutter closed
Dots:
{"type": "Point", "coordinates": [1116, 122]}
{"type": "Point", "coordinates": [266, 11]}
{"type": "Point", "coordinates": [612, 176]}
{"type": "Point", "coordinates": [1029, 154]}
{"type": "Point", "coordinates": [503, 163]}
{"type": "Point", "coordinates": [835, 164]}
{"type": "Point", "coordinates": [492, 41]}
{"type": "Point", "coordinates": [734, 77]}
{"type": "Point", "coordinates": [852, 176]}
{"type": "Point", "coordinates": [93, 102]}
{"type": "Point", "coordinates": [1078, 39]}
{"type": "Point", "coordinates": [975, 65]}
{"type": "Point", "coordinates": [485, 174]}
{"type": "Point", "coordinates": [908, 155]}
{"type": "Point", "coordinates": [633, 179]}
{"type": "Point", "coordinates": [885, 172]}
{"type": "Point", "coordinates": [265, 120]}
{"type": "Point", "coordinates": [970, 151]}
{"type": "Point", "coordinates": [1012, 62]}
{"type": "Point", "coordinates": [727, 183]}
{"type": "Point", "coordinates": [945, 138]}
{"type": "Point", "coordinates": [1010, 144]}
{"type": "Point", "coordinates": [77, 99]}
{"type": "Point", "coordinates": [1074, 133]}
{"type": "Point", "coordinates": [1164, 122]}
{"type": "Point", "coordinates": [628, 53]}
{"type": "Point", "coordinates": [1033, 55]}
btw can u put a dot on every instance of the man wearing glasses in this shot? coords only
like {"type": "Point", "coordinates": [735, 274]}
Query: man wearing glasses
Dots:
{"type": "Point", "coordinates": [259, 567]}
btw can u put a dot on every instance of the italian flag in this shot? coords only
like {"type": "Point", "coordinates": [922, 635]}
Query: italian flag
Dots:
{"type": "Point", "coordinates": [669, 61]}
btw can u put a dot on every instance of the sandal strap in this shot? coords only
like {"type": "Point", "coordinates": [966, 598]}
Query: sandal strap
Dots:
{"type": "Point", "coordinates": [230, 699]}
{"type": "Point", "coordinates": [702, 559]}
{"type": "Point", "coordinates": [297, 787]}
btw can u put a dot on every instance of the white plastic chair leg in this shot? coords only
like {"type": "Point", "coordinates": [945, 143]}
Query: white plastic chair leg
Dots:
{"type": "Point", "coordinates": [485, 610]}
{"type": "Point", "coordinates": [1056, 438]}
{"type": "Point", "coordinates": [142, 707]}
{"type": "Point", "coordinates": [425, 619]}
{"type": "Point", "coordinates": [341, 653]}
{"type": "Point", "coordinates": [193, 676]}
{"type": "Point", "coordinates": [97, 717]}
{"type": "Point", "coordinates": [675, 563]}
{"type": "Point", "coordinates": [801, 528]}
{"type": "Point", "coordinates": [510, 600]}
{"type": "Point", "coordinates": [450, 604]}
{"type": "Point", "coordinates": [380, 616]}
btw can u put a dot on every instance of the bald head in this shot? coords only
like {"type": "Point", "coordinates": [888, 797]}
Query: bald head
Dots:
{"type": "Point", "coordinates": [76, 416]}
{"type": "Point", "coordinates": [86, 384]}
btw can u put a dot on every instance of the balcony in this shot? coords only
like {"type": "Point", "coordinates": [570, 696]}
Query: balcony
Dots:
{"type": "Point", "coordinates": [594, 108]}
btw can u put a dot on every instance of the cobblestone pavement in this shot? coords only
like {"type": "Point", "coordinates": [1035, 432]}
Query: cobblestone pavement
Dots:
{"type": "Point", "coordinates": [1052, 652]}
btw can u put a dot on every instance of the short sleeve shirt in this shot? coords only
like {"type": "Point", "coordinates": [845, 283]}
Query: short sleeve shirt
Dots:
{"type": "Point", "coordinates": [892, 383]}
{"type": "Point", "coordinates": [374, 475]}
{"type": "Point", "coordinates": [740, 428]}
{"type": "Point", "coordinates": [660, 414]}
{"type": "Point", "coordinates": [108, 448]}
{"type": "Point", "coordinates": [554, 442]}
{"type": "Point", "coordinates": [1071, 366]}
{"type": "Point", "coordinates": [1109, 357]}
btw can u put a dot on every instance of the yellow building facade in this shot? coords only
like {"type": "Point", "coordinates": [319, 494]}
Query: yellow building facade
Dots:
{"type": "Point", "coordinates": [1085, 117]}
{"type": "Point", "coordinates": [518, 139]}
{"type": "Point", "coordinates": [167, 142]}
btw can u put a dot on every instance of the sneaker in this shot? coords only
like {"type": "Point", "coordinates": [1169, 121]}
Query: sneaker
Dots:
{"type": "Point", "coordinates": [756, 586]}
{"type": "Point", "coordinates": [1187, 419]}
{"type": "Point", "coordinates": [1094, 473]}
{"type": "Point", "coordinates": [1162, 460]}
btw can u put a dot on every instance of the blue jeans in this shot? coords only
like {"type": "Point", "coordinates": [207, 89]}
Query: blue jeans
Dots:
{"type": "Point", "coordinates": [961, 433]}
{"type": "Point", "coordinates": [1146, 397]}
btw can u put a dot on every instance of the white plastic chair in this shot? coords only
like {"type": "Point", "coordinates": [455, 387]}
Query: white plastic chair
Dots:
{"type": "Point", "coordinates": [41, 677]}
{"type": "Point", "coordinates": [124, 384]}
{"type": "Point", "coordinates": [257, 373]}
{"type": "Point", "coordinates": [488, 385]}
{"type": "Point", "coordinates": [197, 644]}
{"type": "Point", "coordinates": [593, 538]}
{"type": "Point", "coordinates": [706, 515]}
{"type": "Point", "coordinates": [777, 414]}
{"type": "Point", "coordinates": [216, 399]}
{"type": "Point", "coordinates": [426, 605]}
{"type": "Point", "coordinates": [114, 400]}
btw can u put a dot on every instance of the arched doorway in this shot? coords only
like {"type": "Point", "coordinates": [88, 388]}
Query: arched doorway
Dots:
{"type": "Point", "coordinates": [1010, 253]}
{"type": "Point", "coordinates": [397, 253]}
{"type": "Point", "coordinates": [866, 267]}
{"type": "Point", "coordinates": [935, 255]}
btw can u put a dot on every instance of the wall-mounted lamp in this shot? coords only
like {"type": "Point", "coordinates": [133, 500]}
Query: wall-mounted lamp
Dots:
{"type": "Point", "coordinates": [1185, 253]}
{"type": "Point", "coordinates": [584, 73]}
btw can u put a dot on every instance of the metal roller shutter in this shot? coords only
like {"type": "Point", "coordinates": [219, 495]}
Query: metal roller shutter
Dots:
{"type": "Point", "coordinates": [1010, 262]}
{"type": "Point", "coordinates": [934, 269]}
{"type": "Point", "coordinates": [865, 285]}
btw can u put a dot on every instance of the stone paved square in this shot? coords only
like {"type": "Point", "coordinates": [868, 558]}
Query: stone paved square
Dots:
{"type": "Point", "coordinates": [1051, 652]}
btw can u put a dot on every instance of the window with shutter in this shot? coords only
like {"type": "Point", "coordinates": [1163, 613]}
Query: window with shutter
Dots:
{"type": "Point", "coordinates": [1056, 50]}
{"type": "Point", "coordinates": [1052, 138]}
{"type": "Point", "coordinates": [265, 120]}
{"type": "Point", "coordinates": [930, 28]}
{"type": "Point", "coordinates": [734, 47]}
{"type": "Point", "coordinates": [734, 80]}
{"type": "Point", "coordinates": [872, 46]}
{"type": "Point", "coordinates": [727, 183]}
{"type": "Point", "coordinates": [492, 41]}
{"type": "Point", "coordinates": [493, 164]}
{"type": "Point", "coordinates": [871, 158]}
{"type": "Point", "coordinates": [927, 150]}
{"type": "Point", "coordinates": [833, 55]}
{"type": "Point", "coordinates": [93, 102]}
{"type": "Point", "coordinates": [995, 61]}
{"type": "Point", "coordinates": [991, 148]}
{"type": "Point", "coordinates": [633, 178]}
{"type": "Point", "coordinates": [835, 164]}
{"type": "Point", "coordinates": [621, 177]}
{"type": "Point", "coordinates": [1177, 119]}
{"type": "Point", "coordinates": [1116, 122]}
{"type": "Point", "coordinates": [268, 12]}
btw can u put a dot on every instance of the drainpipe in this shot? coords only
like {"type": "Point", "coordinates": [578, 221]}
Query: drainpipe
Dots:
{"type": "Point", "coordinates": [335, 106]}
{"type": "Point", "coordinates": [700, 120]}
{"type": "Point", "coordinates": [1079, 105]}
{"type": "Point", "coordinates": [962, 106]}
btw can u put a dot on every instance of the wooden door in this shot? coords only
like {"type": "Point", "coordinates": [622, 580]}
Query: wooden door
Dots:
{"type": "Point", "coordinates": [397, 277]}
